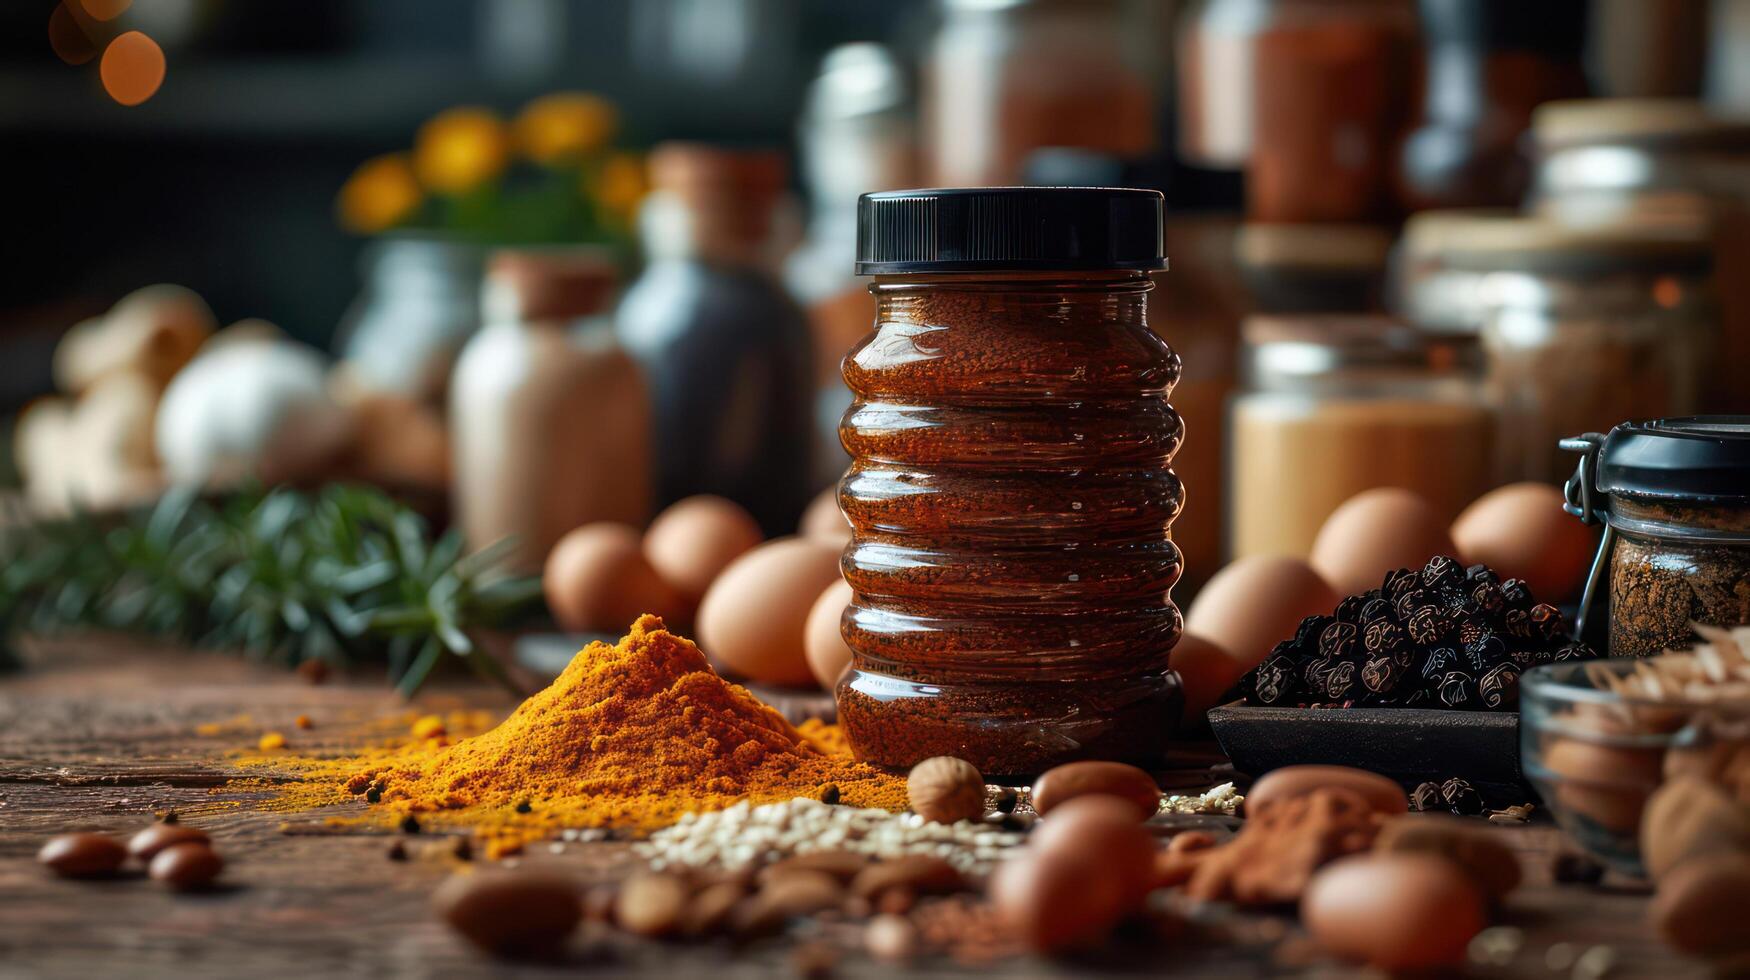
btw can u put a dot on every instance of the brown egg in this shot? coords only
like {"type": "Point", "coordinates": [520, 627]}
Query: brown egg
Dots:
{"type": "Point", "coordinates": [824, 520]}
{"type": "Point", "coordinates": [828, 656]}
{"type": "Point", "coordinates": [1381, 793]}
{"type": "Point", "coordinates": [753, 618]}
{"type": "Point", "coordinates": [1206, 672]}
{"type": "Point", "coordinates": [1101, 831]}
{"type": "Point", "coordinates": [1521, 531]}
{"type": "Point", "coordinates": [1255, 603]}
{"type": "Point", "coordinates": [1395, 912]}
{"type": "Point", "coordinates": [695, 539]}
{"type": "Point", "coordinates": [1375, 532]}
{"type": "Point", "coordinates": [597, 579]}
{"type": "Point", "coordinates": [1054, 902]}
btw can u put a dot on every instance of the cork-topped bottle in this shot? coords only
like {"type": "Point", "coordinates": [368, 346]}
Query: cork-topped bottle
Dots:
{"type": "Point", "coordinates": [1010, 490]}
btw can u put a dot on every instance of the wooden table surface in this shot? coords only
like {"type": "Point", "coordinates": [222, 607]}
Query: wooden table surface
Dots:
{"type": "Point", "coordinates": [99, 734]}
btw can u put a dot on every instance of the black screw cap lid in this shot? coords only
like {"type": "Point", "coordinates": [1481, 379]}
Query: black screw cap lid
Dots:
{"type": "Point", "coordinates": [1703, 457]}
{"type": "Point", "coordinates": [986, 229]}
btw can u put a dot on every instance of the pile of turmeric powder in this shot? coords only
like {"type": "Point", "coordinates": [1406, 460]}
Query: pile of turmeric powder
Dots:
{"type": "Point", "coordinates": [630, 736]}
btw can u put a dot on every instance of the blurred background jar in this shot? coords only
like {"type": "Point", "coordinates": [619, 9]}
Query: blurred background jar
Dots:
{"type": "Point", "coordinates": [726, 349]}
{"type": "Point", "coordinates": [1334, 405]}
{"type": "Point", "coordinates": [1313, 268]}
{"type": "Point", "coordinates": [1004, 77]}
{"type": "Point", "coordinates": [1607, 161]}
{"type": "Point", "coordinates": [1585, 328]}
{"type": "Point", "coordinates": [550, 418]}
{"type": "Point", "coordinates": [1488, 65]}
{"type": "Point", "coordinates": [1311, 96]}
{"type": "Point", "coordinates": [856, 136]}
{"type": "Point", "coordinates": [420, 303]}
{"type": "Point", "coordinates": [1423, 288]}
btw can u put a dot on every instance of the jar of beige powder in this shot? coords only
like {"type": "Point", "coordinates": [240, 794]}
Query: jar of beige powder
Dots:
{"type": "Point", "coordinates": [1334, 405]}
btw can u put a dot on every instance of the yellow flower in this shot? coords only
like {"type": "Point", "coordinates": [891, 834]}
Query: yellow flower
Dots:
{"type": "Point", "coordinates": [564, 127]}
{"type": "Point", "coordinates": [619, 185]}
{"type": "Point", "coordinates": [460, 149]}
{"type": "Point", "coordinates": [379, 195]}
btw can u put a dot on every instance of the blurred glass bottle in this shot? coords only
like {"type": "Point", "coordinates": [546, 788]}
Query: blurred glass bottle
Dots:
{"type": "Point", "coordinates": [1488, 66]}
{"type": "Point", "coordinates": [856, 136]}
{"type": "Point", "coordinates": [1309, 95]}
{"type": "Point", "coordinates": [725, 347]}
{"type": "Point", "coordinates": [549, 417]}
{"type": "Point", "coordinates": [1004, 77]}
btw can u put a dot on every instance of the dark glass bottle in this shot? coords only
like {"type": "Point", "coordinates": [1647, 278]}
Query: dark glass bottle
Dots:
{"type": "Point", "coordinates": [725, 348]}
{"type": "Point", "coordinates": [1489, 64]}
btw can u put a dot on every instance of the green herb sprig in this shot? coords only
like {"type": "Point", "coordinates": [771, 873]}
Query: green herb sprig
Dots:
{"type": "Point", "coordinates": [339, 575]}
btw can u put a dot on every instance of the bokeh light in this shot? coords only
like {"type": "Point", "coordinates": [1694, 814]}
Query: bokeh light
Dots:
{"type": "Point", "coordinates": [68, 39]}
{"type": "Point", "coordinates": [105, 9]}
{"type": "Point", "coordinates": [132, 68]}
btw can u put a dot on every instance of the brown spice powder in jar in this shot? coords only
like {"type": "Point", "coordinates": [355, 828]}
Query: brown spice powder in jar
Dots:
{"type": "Point", "coordinates": [1660, 584]}
{"type": "Point", "coordinates": [1011, 499]}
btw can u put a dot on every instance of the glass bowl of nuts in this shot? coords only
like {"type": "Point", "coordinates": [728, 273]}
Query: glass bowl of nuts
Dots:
{"type": "Point", "coordinates": [1598, 738]}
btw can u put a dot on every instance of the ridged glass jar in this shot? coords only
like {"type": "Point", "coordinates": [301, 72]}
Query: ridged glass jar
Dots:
{"type": "Point", "coordinates": [1011, 497]}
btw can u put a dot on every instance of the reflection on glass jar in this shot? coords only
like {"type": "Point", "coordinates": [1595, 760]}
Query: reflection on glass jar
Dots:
{"type": "Point", "coordinates": [1333, 406]}
{"type": "Point", "coordinates": [1588, 328]}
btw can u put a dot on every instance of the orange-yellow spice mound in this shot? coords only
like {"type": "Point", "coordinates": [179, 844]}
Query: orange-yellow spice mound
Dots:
{"type": "Point", "coordinates": [631, 736]}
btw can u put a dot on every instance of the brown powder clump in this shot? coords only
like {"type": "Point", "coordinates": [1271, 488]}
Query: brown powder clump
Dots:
{"type": "Point", "coordinates": [632, 736]}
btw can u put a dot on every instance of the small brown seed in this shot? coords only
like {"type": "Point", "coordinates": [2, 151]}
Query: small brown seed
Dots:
{"type": "Point", "coordinates": [1068, 781]}
{"type": "Point", "coordinates": [511, 914]}
{"type": "Point", "coordinates": [1699, 907]}
{"type": "Point", "coordinates": [186, 867]}
{"type": "Point", "coordinates": [829, 794]}
{"type": "Point", "coordinates": [82, 855]}
{"type": "Point", "coordinates": [146, 844]}
{"type": "Point", "coordinates": [708, 912]}
{"type": "Point", "coordinates": [891, 939]}
{"type": "Point", "coordinates": [397, 851]}
{"type": "Point", "coordinates": [920, 874]}
{"type": "Point", "coordinates": [651, 904]}
{"type": "Point", "coordinates": [1187, 841]}
{"type": "Point", "coordinates": [843, 865]}
{"type": "Point", "coordinates": [946, 790]}
{"type": "Point", "coordinates": [1491, 864]}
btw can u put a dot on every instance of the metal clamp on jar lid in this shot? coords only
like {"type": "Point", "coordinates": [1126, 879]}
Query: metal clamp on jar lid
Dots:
{"type": "Point", "coordinates": [1013, 229]}
{"type": "Point", "coordinates": [1674, 498]}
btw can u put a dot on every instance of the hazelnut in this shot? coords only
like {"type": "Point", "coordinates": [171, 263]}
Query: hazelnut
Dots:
{"type": "Point", "coordinates": [946, 790]}
{"type": "Point", "coordinates": [1688, 817]}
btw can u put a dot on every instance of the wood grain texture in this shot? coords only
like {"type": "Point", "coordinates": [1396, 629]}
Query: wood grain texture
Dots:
{"type": "Point", "coordinates": [100, 733]}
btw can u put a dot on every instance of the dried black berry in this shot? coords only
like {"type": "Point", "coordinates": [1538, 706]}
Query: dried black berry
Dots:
{"type": "Point", "coordinates": [524, 806]}
{"type": "Point", "coordinates": [1438, 661]}
{"type": "Point", "coordinates": [1273, 681]}
{"type": "Point", "coordinates": [1548, 623]}
{"type": "Point", "coordinates": [1006, 799]}
{"type": "Point", "coordinates": [1481, 573]}
{"type": "Point", "coordinates": [1499, 688]}
{"type": "Point", "coordinates": [1381, 675]}
{"type": "Point", "coordinates": [1306, 636]}
{"type": "Point", "coordinates": [1573, 651]}
{"type": "Point", "coordinates": [1458, 689]}
{"type": "Point", "coordinates": [1487, 598]}
{"type": "Point", "coordinates": [1426, 625]}
{"type": "Point", "coordinates": [1517, 594]}
{"type": "Point", "coordinates": [1340, 680]}
{"type": "Point", "coordinates": [1337, 640]}
{"type": "Point", "coordinates": [1517, 624]}
{"type": "Point", "coordinates": [1383, 636]}
{"type": "Point", "coordinates": [410, 824]}
{"type": "Point", "coordinates": [1349, 610]}
{"type": "Point", "coordinates": [1398, 582]}
{"type": "Point", "coordinates": [1375, 610]}
{"type": "Point", "coordinates": [1461, 797]}
{"type": "Point", "coordinates": [1406, 604]}
{"type": "Point", "coordinates": [1442, 572]}
{"type": "Point", "coordinates": [1484, 652]}
{"type": "Point", "coordinates": [1426, 796]}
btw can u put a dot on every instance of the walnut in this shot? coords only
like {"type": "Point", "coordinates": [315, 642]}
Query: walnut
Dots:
{"type": "Point", "coordinates": [946, 790]}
